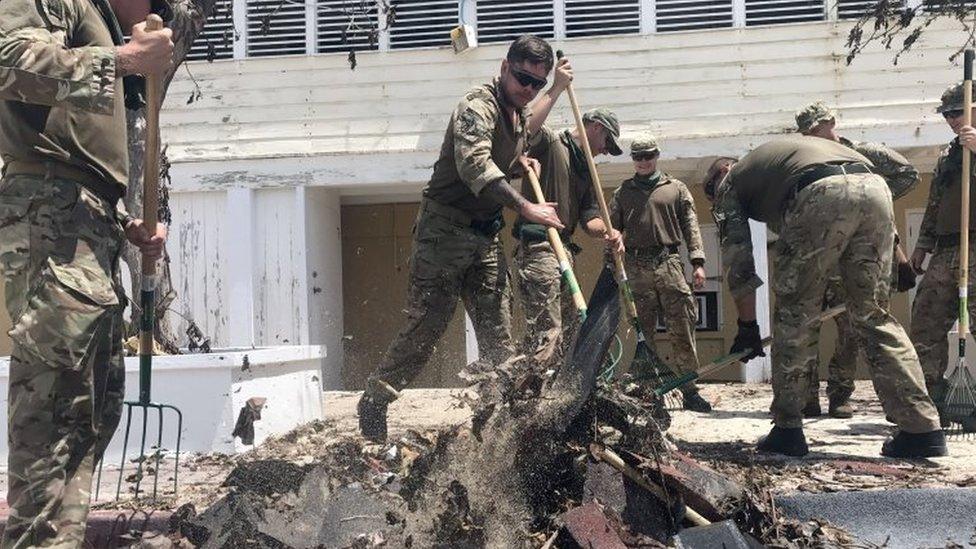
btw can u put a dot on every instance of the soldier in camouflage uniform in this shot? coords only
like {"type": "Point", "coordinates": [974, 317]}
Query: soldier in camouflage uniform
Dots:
{"type": "Point", "coordinates": [819, 120]}
{"type": "Point", "coordinates": [456, 249]}
{"type": "Point", "coordinates": [833, 215]}
{"type": "Point", "coordinates": [656, 212]}
{"type": "Point", "coordinates": [937, 300]}
{"type": "Point", "coordinates": [551, 317]}
{"type": "Point", "coordinates": [62, 227]}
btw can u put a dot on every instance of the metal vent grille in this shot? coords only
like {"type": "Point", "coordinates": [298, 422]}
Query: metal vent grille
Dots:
{"type": "Point", "coordinates": [602, 17]}
{"type": "Point", "coordinates": [504, 20]}
{"type": "Point", "coordinates": [773, 12]}
{"type": "Point", "coordinates": [853, 9]}
{"type": "Point", "coordinates": [423, 23]}
{"type": "Point", "coordinates": [346, 25]}
{"type": "Point", "coordinates": [217, 39]}
{"type": "Point", "coordinates": [275, 27]}
{"type": "Point", "coordinates": [679, 15]}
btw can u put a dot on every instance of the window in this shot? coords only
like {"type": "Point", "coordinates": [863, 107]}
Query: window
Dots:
{"type": "Point", "coordinates": [217, 39]}
{"type": "Point", "coordinates": [771, 12]}
{"type": "Point", "coordinates": [423, 23]}
{"type": "Point", "coordinates": [275, 27]}
{"type": "Point", "coordinates": [602, 17]}
{"type": "Point", "coordinates": [346, 25]}
{"type": "Point", "coordinates": [677, 15]}
{"type": "Point", "coordinates": [504, 20]}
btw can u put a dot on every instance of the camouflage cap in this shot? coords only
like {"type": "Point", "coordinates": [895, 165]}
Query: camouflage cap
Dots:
{"type": "Point", "coordinates": [952, 99]}
{"type": "Point", "coordinates": [644, 142]}
{"type": "Point", "coordinates": [608, 120]}
{"type": "Point", "coordinates": [808, 117]}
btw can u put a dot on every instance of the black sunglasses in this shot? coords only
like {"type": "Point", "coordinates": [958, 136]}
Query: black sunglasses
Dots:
{"type": "Point", "coordinates": [952, 114]}
{"type": "Point", "coordinates": [639, 157]}
{"type": "Point", "coordinates": [526, 79]}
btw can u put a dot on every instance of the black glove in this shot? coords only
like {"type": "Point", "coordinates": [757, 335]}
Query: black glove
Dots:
{"type": "Point", "coordinates": [906, 277]}
{"type": "Point", "coordinates": [748, 339]}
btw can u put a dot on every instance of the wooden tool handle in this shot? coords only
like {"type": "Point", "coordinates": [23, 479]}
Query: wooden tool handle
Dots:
{"type": "Point", "coordinates": [150, 185]}
{"type": "Point", "coordinates": [618, 259]}
{"type": "Point", "coordinates": [611, 458]}
{"type": "Point", "coordinates": [557, 246]}
{"type": "Point", "coordinates": [967, 113]}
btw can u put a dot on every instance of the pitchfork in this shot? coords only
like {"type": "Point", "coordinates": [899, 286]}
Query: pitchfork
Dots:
{"type": "Point", "coordinates": [150, 213]}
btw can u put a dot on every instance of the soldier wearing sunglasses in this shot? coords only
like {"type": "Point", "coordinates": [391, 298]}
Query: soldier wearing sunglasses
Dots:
{"type": "Point", "coordinates": [456, 250]}
{"type": "Point", "coordinates": [656, 212]}
{"type": "Point", "coordinates": [937, 299]}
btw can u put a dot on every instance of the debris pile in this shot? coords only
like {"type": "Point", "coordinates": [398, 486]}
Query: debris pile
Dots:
{"type": "Point", "coordinates": [533, 472]}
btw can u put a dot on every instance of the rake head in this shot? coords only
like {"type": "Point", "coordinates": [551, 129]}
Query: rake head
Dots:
{"type": "Point", "coordinates": [960, 401]}
{"type": "Point", "coordinates": [147, 464]}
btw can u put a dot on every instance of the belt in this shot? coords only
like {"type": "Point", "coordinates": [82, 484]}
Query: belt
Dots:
{"type": "Point", "coordinates": [654, 254]}
{"type": "Point", "coordinates": [110, 192]}
{"type": "Point", "coordinates": [487, 227]}
{"type": "Point", "coordinates": [827, 170]}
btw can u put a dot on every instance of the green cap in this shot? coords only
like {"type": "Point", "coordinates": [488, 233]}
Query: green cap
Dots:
{"type": "Point", "coordinates": [952, 99]}
{"type": "Point", "coordinates": [808, 117]}
{"type": "Point", "coordinates": [609, 121]}
{"type": "Point", "coordinates": [644, 142]}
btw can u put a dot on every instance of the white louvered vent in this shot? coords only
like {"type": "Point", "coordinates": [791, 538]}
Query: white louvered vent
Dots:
{"type": "Point", "coordinates": [853, 9]}
{"type": "Point", "coordinates": [935, 5]}
{"type": "Point", "coordinates": [602, 17]}
{"type": "Point", "coordinates": [217, 39]}
{"type": "Point", "coordinates": [275, 27]}
{"type": "Point", "coordinates": [346, 25]}
{"type": "Point", "coordinates": [772, 12]}
{"type": "Point", "coordinates": [504, 20]}
{"type": "Point", "coordinates": [678, 15]}
{"type": "Point", "coordinates": [423, 23]}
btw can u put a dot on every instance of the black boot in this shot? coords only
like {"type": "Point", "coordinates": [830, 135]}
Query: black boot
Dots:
{"type": "Point", "coordinates": [840, 406]}
{"type": "Point", "coordinates": [695, 403]}
{"type": "Point", "coordinates": [916, 445]}
{"type": "Point", "coordinates": [780, 440]}
{"type": "Point", "coordinates": [372, 417]}
{"type": "Point", "coordinates": [812, 409]}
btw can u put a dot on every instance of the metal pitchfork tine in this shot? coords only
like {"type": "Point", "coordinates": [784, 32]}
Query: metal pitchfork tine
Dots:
{"type": "Point", "coordinates": [150, 214]}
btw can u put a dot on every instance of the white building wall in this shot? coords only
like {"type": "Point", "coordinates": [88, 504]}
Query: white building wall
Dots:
{"type": "Point", "coordinates": [263, 161]}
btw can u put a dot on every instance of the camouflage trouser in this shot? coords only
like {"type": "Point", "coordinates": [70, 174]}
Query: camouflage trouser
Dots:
{"type": "Point", "coordinates": [936, 309]}
{"type": "Point", "coordinates": [551, 318]}
{"type": "Point", "coordinates": [59, 251]}
{"type": "Point", "coordinates": [660, 288]}
{"type": "Point", "coordinates": [448, 262]}
{"type": "Point", "coordinates": [842, 224]}
{"type": "Point", "coordinates": [842, 368]}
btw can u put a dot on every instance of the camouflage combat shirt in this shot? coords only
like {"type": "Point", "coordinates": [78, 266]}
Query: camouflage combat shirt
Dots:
{"type": "Point", "coordinates": [60, 99]}
{"type": "Point", "coordinates": [897, 171]}
{"type": "Point", "coordinates": [481, 146]}
{"type": "Point", "coordinates": [757, 188]}
{"type": "Point", "coordinates": [942, 212]}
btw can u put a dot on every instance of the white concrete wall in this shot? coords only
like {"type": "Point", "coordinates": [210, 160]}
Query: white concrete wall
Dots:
{"type": "Point", "coordinates": [310, 120]}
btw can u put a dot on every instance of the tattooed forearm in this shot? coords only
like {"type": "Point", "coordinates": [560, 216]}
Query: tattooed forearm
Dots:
{"type": "Point", "coordinates": [505, 194]}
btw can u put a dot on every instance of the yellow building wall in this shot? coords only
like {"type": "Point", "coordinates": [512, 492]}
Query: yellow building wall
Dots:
{"type": "Point", "coordinates": [376, 250]}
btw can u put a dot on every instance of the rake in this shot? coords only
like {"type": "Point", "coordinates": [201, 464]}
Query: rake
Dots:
{"type": "Point", "coordinates": [150, 213]}
{"type": "Point", "coordinates": [960, 400]}
{"type": "Point", "coordinates": [646, 363]}
{"type": "Point", "coordinates": [668, 384]}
